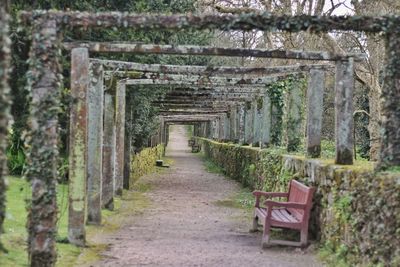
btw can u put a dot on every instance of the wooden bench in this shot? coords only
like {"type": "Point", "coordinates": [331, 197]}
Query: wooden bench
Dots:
{"type": "Point", "coordinates": [293, 213]}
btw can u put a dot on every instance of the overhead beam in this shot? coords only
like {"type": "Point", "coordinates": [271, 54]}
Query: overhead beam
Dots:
{"type": "Point", "coordinates": [204, 82]}
{"type": "Point", "coordinates": [137, 48]}
{"type": "Point", "coordinates": [245, 21]}
{"type": "Point", "coordinates": [122, 66]}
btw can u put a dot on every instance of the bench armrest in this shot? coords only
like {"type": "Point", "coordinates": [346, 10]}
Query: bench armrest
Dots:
{"type": "Point", "coordinates": [294, 205]}
{"type": "Point", "coordinates": [259, 194]}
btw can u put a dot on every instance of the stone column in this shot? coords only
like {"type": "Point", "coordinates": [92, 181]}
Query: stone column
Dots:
{"type": "Point", "coordinates": [95, 144]}
{"type": "Point", "coordinates": [128, 145]}
{"type": "Point", "coordinates": [227, 127]}
{"type": "Point", "coordinates": [256, 123]}
{"type": "Point", "coordinates": [78, 146]}
{"type": "Point", "coordinates": [107, 198]}
{"type": "Point", "coordinates": [241, 122]}
{"type": "Point", "coordinates": [43, 158]}
{"type": "Point", "coordinates": [233, 124]}
{"type": "Point", "coordinates": [265, 122]}
{"type": "Point", "coordinates": [5, 106]}
{"type": "Point", "coordinates": [249, 121]}
{"type": "Point", "coordinates": [293, 120]}
{"type": "Point", "coordinates": [344, 86]}
{"type": "Point", "coordinates": [315, 96]}
{"type": "Point", "coordinates": [120, 103]}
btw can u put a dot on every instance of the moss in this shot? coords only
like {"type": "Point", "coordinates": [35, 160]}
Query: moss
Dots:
{"type": "Point", "coordinates": [132, 203]}
{"type": "Point", "coordinates": [352, 205]}
{"type": "Point", "coordinates": [15, 235]}
{"type": "Point", "coordinates": [144, 162]}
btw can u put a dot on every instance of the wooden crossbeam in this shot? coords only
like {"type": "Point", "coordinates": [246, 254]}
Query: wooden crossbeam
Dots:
{"type": "Point", "coordinates": [246, 21]}
{"type": "Point", "coordinates": [120, 68]}
{"type": "Point", "coordinates": [137, 48]}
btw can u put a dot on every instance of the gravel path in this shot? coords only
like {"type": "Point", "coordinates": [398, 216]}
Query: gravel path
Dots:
{"type": "Point", "coordinates": [184, 226]}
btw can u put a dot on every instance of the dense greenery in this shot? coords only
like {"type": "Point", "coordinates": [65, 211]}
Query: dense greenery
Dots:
{"type": "Point", "coordinates": [144, 123]}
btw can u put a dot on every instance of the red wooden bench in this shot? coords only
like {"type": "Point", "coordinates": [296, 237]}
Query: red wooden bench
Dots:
{"type": "Point", "coordinates": [293, 213]}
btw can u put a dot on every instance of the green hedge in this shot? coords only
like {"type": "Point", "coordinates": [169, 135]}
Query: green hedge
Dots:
{"type": "Point", "coordinates": [356, 212]}
{"type": "Point", "coordinates": [144, 162]}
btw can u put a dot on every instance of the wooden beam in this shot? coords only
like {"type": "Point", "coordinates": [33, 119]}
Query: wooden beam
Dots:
{"type": "Point", "coordinates": [246, 21]}
{"type": "Point", "coordinates": [138, 48]}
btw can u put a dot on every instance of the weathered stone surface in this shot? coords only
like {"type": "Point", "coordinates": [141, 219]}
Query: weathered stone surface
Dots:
{"type": "Point", "coordinates": [256, 124]}
{"type": "Point", "coordinates": [344, 108]}
{"type": "Point", "coordinates": [78, 146]}
{"type": "Point", "coordinates": [95, 144]}
{"type": "Point", "coordinates": [241, 123]}
{"type": "Point", "coordinates": [204, 82]}
{"type": "Point", "coordinates": [5, 103]}
{"type": "Point", "coordinates": [120, 103]}
{"type": "Point", "coordinates": [265, 121]}
{"type": "Point", "coordinates": [124, 69]}
{"type": "Point", "coordinates": [315, 96]}
{"type": "Point", "coordinates": [206, 51]}
{"type": "Point", "coordinates": [249, 123]}
{"type": "Point", "coordinates": [108, 183]}
{"type": "Point", "coordinates": [44, 82]}
{"type": "Point", "coordinates": [390, 148]}
{"type": "Point", "coordinates": [246, 21]}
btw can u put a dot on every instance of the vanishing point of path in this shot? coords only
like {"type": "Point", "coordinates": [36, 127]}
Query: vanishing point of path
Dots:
{"type": "Point", "coordinates": [185, 227]}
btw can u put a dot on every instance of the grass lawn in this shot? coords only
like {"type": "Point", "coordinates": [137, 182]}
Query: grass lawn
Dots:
{"type": "Point", "coordinates": [15, 236]}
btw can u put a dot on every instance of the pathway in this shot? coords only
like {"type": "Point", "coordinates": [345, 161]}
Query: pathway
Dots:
{"type": "Point", "coordinates": [184, 226]}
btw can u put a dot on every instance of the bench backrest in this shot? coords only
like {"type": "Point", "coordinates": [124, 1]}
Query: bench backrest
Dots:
{"type": "Point", "coordinates": [303, 194]}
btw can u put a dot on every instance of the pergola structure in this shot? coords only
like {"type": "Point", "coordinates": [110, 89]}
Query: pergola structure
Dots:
{"type": "Point", "coordinates": [45, 78]}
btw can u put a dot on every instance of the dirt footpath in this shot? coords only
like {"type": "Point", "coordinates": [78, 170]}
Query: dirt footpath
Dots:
{"type": "Point", "coordinates": [184, 226]}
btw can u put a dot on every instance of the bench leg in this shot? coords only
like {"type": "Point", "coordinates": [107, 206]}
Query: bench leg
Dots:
{"type": "Point", "coordinates": [303, 237]}
{"type": "Point", "coordinates": [265, 242]}
{"type": "Point", "coordinates": [255, 225]}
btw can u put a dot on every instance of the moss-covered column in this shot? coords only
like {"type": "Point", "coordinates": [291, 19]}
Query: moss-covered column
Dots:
{"type": "Point", "coordinates": [167, 134]}
{"type": "Point", "coordinates": [233, 124]}
{"type": "Point", "coordinates": [107, 198]}
{"type": "Point", "coordinates": [44, 82]}
{"type": "Point", "coordinates": [390, 149]}
{"type": "Point", "coordinates": [161, 130]}
{"type": "Point", "coordinates": [315, 96]}
{"type": "Point", "coordinates": [257, 105]}
{"type": "Point", "coordinates": [128, 144]}
{"type": "Point", "coordinates": [95, 143]}
{"type": "Point", "coordinates": [344, 123]}
{"type": "Point", "coordinates": [227, 127]}
{"type": "Point", "coordinates": [5, 57]}
{"type": "Point", "coordinates": [78, 145]}
{"type": "Point", "coordinates": [265, 121]}
{"type": "Point", "coordinates": [241, 123]}
{"type": "Point", "coordinates": [120, 102]}
{"type": "Point", "coordinates": [249, 122]}
{"type": "Point", "coordinates": [293, 116]}
{"type": "Point", "coordinates": [214, 129]}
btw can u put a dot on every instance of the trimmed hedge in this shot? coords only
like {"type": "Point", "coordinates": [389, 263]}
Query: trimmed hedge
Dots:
{"type": "Point", "coordinates": [356, 212]}
{"type": "Point", "coordinates": [144, 162]}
